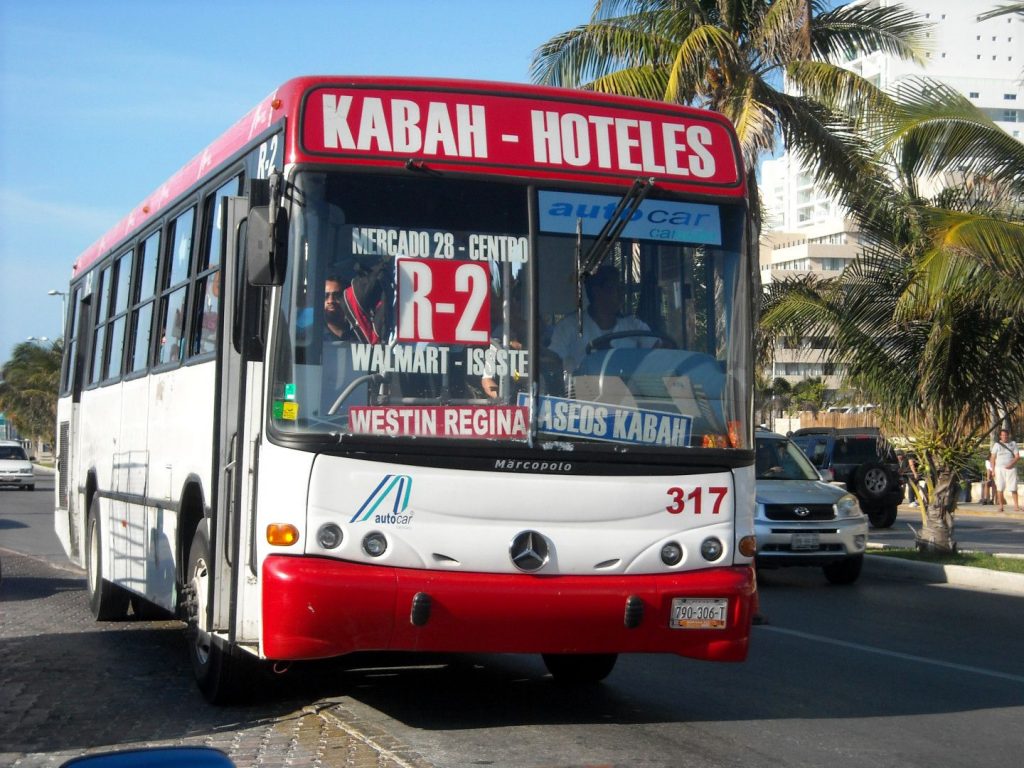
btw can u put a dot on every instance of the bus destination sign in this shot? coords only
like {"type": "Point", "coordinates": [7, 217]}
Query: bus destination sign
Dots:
{"type": "Point", "coordinates": [578, 137]}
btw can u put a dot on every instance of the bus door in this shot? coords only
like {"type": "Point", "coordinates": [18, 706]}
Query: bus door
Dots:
{"type": "Point", "coordinates": [69, 480]}
{"type": "Point", "coordinates": [234, 602]}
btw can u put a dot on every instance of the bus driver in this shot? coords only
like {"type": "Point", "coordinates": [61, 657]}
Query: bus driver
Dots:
{"type": "Point", "coordinates": [602, 317]}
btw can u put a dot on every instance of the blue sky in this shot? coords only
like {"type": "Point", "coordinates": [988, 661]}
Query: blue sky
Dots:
{"type": "Point", "coordinates": [101, 100]}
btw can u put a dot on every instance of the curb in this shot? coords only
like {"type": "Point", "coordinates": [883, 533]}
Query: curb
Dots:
{"type": "Point", "coordinates": [954, 575]}
{"type": "Point", "coordinates": [970, 509]}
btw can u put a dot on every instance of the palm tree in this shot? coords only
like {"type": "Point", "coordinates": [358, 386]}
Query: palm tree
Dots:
{"type": "Point", "coordinates": [28, 389]}
{"type": "Point", "coordinates": [731, 56]}
{"type": "Point", "coordinates": [927, 321]}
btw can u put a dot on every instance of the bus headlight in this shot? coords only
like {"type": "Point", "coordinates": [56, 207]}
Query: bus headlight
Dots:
{"type": "Point", "coordinates": [329, 536]}
{"type": "Point", "coordinates": [711, 549]}
{"type": "Point", "coordinates": [671, 553]}
{"type": "Point", "coordinates": [847, 506]}
{"type": "Point", "coordinates": [374, 544]}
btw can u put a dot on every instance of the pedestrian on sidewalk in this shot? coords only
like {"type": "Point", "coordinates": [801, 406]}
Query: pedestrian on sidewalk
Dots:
{"type": "Point", "coordinates": [1003, 455]}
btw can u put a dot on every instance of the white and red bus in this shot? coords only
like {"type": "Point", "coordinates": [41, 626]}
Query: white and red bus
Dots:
{"type": "Point", "coordinates": [423, 365]}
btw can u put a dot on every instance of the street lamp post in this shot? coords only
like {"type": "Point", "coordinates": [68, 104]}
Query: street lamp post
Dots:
{"type": "Point", "coordinates": [63, 304]}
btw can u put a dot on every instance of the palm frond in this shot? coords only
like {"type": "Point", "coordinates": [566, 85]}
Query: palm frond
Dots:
{"type": "Point", "coordinates": [851, 30]}
{"type": "Point", "coordinates": [937, 129]}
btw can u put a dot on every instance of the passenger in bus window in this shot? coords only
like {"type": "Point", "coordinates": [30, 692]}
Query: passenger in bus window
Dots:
{"type": "Point", "coordinates": [601, 317]}
{"type": "Point", "coordinates": [498, 360]}
{"type": "Point", "coordinates": [336, 324]}
{"type": "Point", "coordinates": [369, 302]}
{"type": "Point", "coordinates": [209, 314]}
{"type": "Point", "coordinates": [337, 335]}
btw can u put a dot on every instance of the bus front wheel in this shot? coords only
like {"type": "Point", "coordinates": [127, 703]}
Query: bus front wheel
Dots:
{"type": "Point", "coordinates": [579, 668]}
{"type": "Point", "coordinates": [107, 601]}
{"type": "Point", "coordinates": [216, 668]}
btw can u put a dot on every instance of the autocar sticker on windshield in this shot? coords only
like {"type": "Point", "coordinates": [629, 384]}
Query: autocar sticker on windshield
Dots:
{"type": "Point", "coordinates": [612, 423]}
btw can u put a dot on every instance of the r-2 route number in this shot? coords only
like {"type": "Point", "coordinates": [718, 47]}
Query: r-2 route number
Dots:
{"type": "Point", "coordinates": [696, 496]}
{"type": "Point", "coordinates": [443, 302]}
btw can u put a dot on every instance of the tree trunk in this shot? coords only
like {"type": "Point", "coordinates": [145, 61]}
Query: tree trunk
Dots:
{"type": "Point", "coordinates": [937, 534]}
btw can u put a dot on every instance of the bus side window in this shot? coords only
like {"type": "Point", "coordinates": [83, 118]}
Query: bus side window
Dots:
{"type": "Point", "coordinates": [207, 296]}
{"type": "Point", "coordinates": [170, 345]}
{"type": "Point", "coordinates": [139, 337]}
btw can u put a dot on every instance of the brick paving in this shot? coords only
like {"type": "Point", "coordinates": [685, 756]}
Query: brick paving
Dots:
{"type": "Point", "coordinates": [70, 686]}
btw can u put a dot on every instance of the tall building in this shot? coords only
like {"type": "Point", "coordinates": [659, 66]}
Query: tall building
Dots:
{"type": "Point", "coordinates": [805, 230]}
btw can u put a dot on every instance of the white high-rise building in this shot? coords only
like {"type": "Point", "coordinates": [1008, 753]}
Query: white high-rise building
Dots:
{"type": "Point", "coordinates": [804, 229]}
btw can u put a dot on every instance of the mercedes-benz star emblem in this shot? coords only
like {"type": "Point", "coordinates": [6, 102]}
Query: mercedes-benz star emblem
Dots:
{"type": "Point", "coordinates": [801, 511]}
{"type": "Point", "coordinates": [529, 551]}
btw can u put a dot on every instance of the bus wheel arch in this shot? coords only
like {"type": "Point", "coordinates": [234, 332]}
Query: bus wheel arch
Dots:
{"type": "Point", "coordinates": [191, 514]}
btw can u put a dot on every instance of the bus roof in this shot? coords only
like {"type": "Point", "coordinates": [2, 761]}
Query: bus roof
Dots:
{"type": "Point", "coordinates": [468, 126]}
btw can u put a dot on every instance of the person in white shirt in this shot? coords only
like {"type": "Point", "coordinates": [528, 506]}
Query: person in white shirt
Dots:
{"type": "Point", "coordinates": [1003, 455]}
{"type": "Point", "coordinates": [602, 317]}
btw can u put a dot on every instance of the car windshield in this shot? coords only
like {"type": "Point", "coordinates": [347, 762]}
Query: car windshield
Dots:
{"type": "Point", "coordinates": [780, 459]}
{"type": "Point", "coordinates": [426, 307]}
{"type": "Point", "coordinates": [12, 452]}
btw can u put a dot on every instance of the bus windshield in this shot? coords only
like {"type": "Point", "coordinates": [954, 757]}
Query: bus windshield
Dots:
{"type": "Point", "coordinates": [420, 307]}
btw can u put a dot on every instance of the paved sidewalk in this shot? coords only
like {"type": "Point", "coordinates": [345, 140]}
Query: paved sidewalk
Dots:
{"type": "Point", "coordinates": [976, 509]}
{"type": "Point", "coordinates": [72, 686]}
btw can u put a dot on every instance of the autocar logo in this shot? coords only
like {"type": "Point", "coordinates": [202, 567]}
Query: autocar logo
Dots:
{"type": "Point", "coordinates": [529, 551]}
{"type": "Point", "coordinates": [801, 511]}
{"type": "Point", "coordinates": [396, 487]}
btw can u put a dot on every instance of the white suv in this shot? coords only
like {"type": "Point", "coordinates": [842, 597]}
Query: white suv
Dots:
{"type": "Point", "coordinates": [802, 520]}
{"type": "Point", "coordinates": [15, 468]}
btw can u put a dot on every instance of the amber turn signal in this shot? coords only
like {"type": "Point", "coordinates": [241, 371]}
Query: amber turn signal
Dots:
{"type": "Point", "coordinates": [748, 546]}
{"type": "Point", "coordinates": [282, 534]}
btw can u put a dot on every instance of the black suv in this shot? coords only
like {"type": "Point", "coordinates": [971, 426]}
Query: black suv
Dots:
{"type": "Point", "coordinates": [861, 458]}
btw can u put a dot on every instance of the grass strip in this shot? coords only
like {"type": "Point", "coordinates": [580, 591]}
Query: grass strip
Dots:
{"type": "Point", "coordinates": [973, 559]}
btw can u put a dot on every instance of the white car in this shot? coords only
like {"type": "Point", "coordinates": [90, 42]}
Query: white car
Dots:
{"type": "Point", "coordinates": [15, 467]}
{"type": "Point", "coordinates": [802, 520]}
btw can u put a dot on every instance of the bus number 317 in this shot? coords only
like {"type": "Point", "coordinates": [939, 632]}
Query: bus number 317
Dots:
{"type": "Point", "coordinates": [696, 497]}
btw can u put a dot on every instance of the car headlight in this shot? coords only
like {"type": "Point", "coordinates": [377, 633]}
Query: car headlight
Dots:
{"type": "Point", "coordinates": [847, 506]}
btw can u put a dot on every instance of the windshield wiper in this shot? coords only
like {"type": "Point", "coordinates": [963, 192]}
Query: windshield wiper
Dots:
{"type": "Point", "coordinates": [610, 232]}
{"type": "Point", "coordinates": [623, 214]}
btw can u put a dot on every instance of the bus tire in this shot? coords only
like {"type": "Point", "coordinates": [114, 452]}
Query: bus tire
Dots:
{"type": "Point", "coordinates": [217, 670]}
{"type": "Point", "coordinates": [579, 668]}
{"type": "Point", "coordinates": [107, 601]}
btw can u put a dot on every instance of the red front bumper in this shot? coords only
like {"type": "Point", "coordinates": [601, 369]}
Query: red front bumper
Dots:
{"type": "Point", "coordinates": [318, 608]}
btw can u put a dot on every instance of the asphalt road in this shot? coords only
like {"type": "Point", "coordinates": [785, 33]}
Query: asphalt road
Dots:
{"type": "Point", "coordinates": [881, 673]}
{"type": "Point", "coordinates": [26, 520]}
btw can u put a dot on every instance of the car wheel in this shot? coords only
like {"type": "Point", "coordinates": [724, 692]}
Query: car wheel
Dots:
{"type": "Point", "coordinates": [883, 517]}
{"type": "Point", "coordinates": [845, 571]}
{"type": "Point", "coordinates": [579, 668]}
{"type": "Point", "coordinates": [873, 481]}
{"type": "Point", "coordinates": [107, 601]}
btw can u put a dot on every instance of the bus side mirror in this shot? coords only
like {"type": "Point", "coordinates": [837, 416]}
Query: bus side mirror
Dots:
{"type": "Point", "coordinates": [265, 246]}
